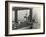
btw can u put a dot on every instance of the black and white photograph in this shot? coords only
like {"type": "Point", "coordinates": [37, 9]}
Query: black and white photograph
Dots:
{"type": "Point", "coordinates": [25, 18]}
{"type": "Point", "coordinates": [22, 18]}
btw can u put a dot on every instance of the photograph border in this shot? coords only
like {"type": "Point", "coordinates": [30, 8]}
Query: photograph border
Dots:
{"type": "Point", "coordinates": [6, 18]}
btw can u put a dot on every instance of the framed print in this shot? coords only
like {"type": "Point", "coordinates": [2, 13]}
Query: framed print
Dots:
{"type": "Point", "coordinates": [24, 18]}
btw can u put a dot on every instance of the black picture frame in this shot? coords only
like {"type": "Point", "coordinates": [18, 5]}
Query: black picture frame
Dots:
{"type": "Point", "coordinates": [6, 18]}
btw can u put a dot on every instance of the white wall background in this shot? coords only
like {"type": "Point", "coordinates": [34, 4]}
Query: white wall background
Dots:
{"type": "Point", "coordinates": [2, 19]}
